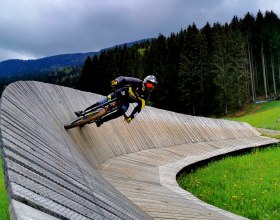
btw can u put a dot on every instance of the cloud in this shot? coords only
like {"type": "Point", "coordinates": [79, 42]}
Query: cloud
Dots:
{"type": "Point", "coordinates": [32, 28]}
{"type": "Point", "coordinates": [268, 5]}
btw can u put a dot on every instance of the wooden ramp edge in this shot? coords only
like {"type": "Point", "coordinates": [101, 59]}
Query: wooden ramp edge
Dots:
{"type": "Point", "coordinates": [117, 171]}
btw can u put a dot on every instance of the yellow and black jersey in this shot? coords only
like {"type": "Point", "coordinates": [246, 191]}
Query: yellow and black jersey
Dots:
{"type": "Point", "coordinates": [128, 95]}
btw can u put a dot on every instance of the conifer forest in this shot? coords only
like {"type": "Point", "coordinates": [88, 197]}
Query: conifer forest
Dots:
{"type": "Point", "coordinates": [206, 71]}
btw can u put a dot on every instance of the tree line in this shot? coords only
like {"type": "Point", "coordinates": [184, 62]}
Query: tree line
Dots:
{"type": "Point", "coordinates": [208, 71]}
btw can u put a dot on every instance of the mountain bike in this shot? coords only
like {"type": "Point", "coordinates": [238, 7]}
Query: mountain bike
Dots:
{"type": "Point", "coordinates": [94, 114]}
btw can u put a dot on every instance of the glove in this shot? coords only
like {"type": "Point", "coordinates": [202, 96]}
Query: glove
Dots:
{"type": "Point", "coordinates": [127, 119]}
{"type": "Point", "coordinates": [114, 83]}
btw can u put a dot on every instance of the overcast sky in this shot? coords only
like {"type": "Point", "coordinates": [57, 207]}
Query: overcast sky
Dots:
{"type": "Point", "coordinates": [31, 29]}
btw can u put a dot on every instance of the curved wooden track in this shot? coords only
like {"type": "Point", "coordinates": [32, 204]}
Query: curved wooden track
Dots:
{"type": "Point", "coordinates": [117, 171]}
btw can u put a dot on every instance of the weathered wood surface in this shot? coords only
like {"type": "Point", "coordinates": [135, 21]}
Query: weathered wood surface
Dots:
{"type": "Point", "coordinates": [77, 174]}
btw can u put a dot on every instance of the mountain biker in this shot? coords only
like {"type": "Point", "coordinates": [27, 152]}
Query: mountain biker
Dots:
{"type": "Point", "coordinates": [128, 90]}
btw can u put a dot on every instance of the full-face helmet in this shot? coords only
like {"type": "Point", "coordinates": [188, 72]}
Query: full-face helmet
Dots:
{"type": "Point", "coordinates": [150, 82]}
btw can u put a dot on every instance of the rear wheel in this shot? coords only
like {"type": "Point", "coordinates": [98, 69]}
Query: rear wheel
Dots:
{"type": "Point", "coordinates": [83, 120]}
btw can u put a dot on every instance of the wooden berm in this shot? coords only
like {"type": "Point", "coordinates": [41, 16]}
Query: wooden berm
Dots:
{"type": "Point", "coordinates": [117, 171]}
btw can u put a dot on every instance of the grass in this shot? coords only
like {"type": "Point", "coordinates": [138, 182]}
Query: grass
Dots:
{"type": "Point", "coordinates": [4, 203]}
{"type": "Point", "coordinates": [264, 115]}
{"type": "Point", "coordinates": [247, 185]}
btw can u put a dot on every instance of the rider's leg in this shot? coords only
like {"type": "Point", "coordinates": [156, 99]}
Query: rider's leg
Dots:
{"type": "Point", "coordinates": [123, 108]}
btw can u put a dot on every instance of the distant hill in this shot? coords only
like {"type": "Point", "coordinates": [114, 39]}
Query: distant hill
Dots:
{"type": "Point", "coordinates": [18, 68]}
{"type": "Point", "coordinates": [11, 69]}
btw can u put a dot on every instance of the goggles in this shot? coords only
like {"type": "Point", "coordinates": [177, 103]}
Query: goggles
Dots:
{"type": "Point", "coordinates": [150, 85]}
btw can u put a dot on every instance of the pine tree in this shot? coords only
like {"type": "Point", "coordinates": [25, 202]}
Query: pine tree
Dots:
{"type": "Point", "coordinates": [240, 74]}
{"type": "Point", "coordinates": [191, 71]}
{"type": "Point", "coordinates": [86, 74]}
{"type": "Point", "coordinates": [155, 64]}
{"type": "Point", "coordinates": [222, 69]}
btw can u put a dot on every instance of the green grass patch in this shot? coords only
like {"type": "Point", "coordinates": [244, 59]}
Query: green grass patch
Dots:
{"type": "Point", "coordinates": [248, 185]}
{"type": "Point", "coordinates": [4, 203]}
{"type": "Point", "coordinates": [264, 115]}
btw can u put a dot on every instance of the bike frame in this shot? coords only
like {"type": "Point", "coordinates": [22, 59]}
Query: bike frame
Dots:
{"type": "Point", "coordinates": [94, 114]}
{"type": "Point", "coordinates": [101, 106]}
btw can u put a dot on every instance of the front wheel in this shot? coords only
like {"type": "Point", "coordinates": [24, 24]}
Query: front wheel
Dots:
{"type": "Point", "coordinates": [83, 120]}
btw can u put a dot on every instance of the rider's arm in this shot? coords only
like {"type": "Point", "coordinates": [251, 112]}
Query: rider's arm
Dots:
{"type": "Point", "coordinates": [140, 105]}
{"type": "Point", "coordinates": [125, 81]}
